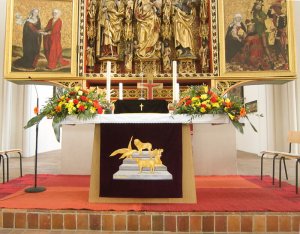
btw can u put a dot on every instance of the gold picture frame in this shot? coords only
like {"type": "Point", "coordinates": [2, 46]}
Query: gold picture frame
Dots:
{"type": "Point", "coordinates": [253, 43]}
{"type": "Point", "coordinates": [41, 39]}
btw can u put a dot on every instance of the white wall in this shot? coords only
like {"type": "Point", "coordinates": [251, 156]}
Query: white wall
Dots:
{"type": "Point", "coordinates": [46, 141]}
{"type": "Point", "coordinates": [251, 141]}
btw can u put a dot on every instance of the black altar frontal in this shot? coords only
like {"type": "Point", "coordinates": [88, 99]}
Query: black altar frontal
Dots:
{"type": "Point", "coordinates": [141, 106]}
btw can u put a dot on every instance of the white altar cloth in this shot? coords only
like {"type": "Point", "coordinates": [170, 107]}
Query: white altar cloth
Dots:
{"type": "Point", "coordinates": [213, 141]}
{"type": "Point", "coordinates": [149, 118]}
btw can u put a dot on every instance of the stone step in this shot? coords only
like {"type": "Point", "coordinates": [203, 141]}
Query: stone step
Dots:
{"type": "Point", "coordinates": [133, 161]}
{"type": "Point", "coordinates": [145, 175]}
{"type": "Point", "coordinates": [134, 167]}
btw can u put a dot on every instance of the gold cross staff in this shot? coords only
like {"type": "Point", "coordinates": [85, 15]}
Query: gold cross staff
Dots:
{"type": "Point", "coordinates": [141, 106]}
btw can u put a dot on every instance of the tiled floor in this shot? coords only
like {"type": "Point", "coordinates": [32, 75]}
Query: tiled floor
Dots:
{"type": "Point", "coordinates": [248, 164]}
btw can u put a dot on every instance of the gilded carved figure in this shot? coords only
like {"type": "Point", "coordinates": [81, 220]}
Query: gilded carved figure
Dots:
{"type": "Point", "coordinates": [110, 18]}
{"type": "Point", "coordinates": [148, 27]}
{"type": "Point", "coordinates": [128, 35]}
{"type": "Point", "coordinates": [204, 57]}
{"type": "Point", "coordinates": [183, 20]}
{"type": "Point", "coordinates": [166, 24]}
{"type": "Point", "coordinates": [166, 59]}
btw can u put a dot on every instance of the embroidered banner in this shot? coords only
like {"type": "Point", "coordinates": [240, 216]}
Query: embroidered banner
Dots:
{"type": "Point", "coordinates": [141, 160]}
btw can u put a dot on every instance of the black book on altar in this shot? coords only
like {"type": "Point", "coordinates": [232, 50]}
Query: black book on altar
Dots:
{"type": "Point", "coordinates": [141, 106]}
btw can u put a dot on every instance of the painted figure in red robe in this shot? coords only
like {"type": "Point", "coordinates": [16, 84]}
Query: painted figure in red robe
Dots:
{"type": "Point", "coordinates": [52, 41]}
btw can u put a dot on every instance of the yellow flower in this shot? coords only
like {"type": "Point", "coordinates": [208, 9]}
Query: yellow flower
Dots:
{"type": "Point", "coordinates": [202, 110]}
{"type": "Point", "coordinates": [216, 105]}
{"type": "Point", "coordinates": [70, 110]}
{"type": "Point", "coordinates": [204, 96]}
{"type": "Point", "coordinates": [194, 99]}
{"type": "Point", "coordinates": [231, 116]}
{"type": "Point", "coordinates": [92, 110]}
{"type": "Point", "coordinates": [77, 88]}
{"type": "Point", "coordinates": [205, 88]}
{"type": "Point", "coordinates": [227, 100]}
{"type": "Point", "coordinates": [69, 104]}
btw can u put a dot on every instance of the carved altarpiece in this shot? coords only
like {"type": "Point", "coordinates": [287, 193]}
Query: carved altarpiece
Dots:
{"type": "Point", "coordinates": [141, 39]}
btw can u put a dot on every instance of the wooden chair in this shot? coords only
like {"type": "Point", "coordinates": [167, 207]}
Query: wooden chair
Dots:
{"type": "Point", "coordinates": [275, 155]}
{"type": "Point", "coordinates": [293, 138]}
{"type": "Point", "coordinates": [5, 154]}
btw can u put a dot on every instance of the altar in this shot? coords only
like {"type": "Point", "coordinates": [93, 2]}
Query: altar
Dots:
{"type": "Point", "coordinates": [211, 159]}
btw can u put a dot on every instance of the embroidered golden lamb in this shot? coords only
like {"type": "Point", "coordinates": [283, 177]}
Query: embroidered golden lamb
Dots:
{"type": "Point", "coordinates": [146, 163]}
{"type": "Point", "coordinates": [150, 163]}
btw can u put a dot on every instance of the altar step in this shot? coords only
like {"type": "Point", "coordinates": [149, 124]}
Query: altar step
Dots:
{"type": "Point", "coordinates": [145, 222]}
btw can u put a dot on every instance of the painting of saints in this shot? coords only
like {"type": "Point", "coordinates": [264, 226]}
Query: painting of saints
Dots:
{"type": "Point", "coordinates": [52, 41]}
{"type": "Point", "coordinates": [31, 41]}
{"type": "Point", "coordinates": [260, 43]}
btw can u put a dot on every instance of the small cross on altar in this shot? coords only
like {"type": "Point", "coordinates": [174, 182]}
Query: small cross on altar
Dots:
{"type": "Point", "coordinates": [141, 106]}
{"type": "Point", "coordinates": [150, 86]}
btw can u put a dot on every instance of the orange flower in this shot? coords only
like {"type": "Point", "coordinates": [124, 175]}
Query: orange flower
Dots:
{"type": "Point", "coordinates": [228, 104]}
{"type": "Point", "coordinates": [243, 112]}
{"type": "Point", "coordinates": [36, 110]}
{"type": "Point", "coordinates": [58, 108]}
{"type": "Point", "coordinates": [182, 101]}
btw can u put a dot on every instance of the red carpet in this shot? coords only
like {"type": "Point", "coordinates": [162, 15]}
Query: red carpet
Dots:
{"type": "Point", "coordinates": [214, 193]}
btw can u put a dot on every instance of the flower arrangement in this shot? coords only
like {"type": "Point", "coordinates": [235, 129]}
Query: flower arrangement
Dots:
{"type": "Point", "coordinates": [200, 100]}
{"type": "Point", "coordinates": [83, 103]}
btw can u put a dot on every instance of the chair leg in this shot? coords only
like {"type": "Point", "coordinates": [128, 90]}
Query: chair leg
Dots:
{"type": "Point", "coordinates": [7, 167]}
{"type": "Point", "coordinates": [21, 171]}
{"type": "Point", "coordinates": [280, 162]}
{"type": "Point", "coordinates": [286, 175]}
{"type": "Point", "coordinates": [297, 164]}
{"type": "Point", "coordinates": [273, 172]}
{"type": "Point", "coordinates": [3, 168]}
{"type": "Point", "coordinates": [262, 165]}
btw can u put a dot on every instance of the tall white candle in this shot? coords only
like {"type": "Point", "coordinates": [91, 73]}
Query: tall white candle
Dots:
{"type": "Point", "coordinates": [174, 80]}
{"type": "Point", "coordinates": [120, 91]}
{"type": "Point", "coordinates": [177, 92]}
{"type": "Point", "coordinates": [108, 80]}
